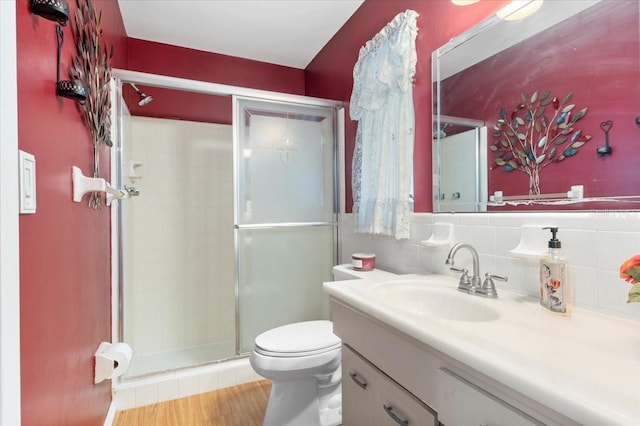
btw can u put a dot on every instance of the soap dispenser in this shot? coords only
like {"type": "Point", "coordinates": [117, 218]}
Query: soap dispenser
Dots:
{"type": "Point", "coordinates": [554, 287]}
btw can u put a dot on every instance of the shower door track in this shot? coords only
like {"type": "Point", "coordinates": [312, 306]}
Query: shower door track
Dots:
{"type": "Point", "coordinates": [285, 225]}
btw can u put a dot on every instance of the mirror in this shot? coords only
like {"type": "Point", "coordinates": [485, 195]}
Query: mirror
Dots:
{"type": "Point", "coordinates": [550, 102]}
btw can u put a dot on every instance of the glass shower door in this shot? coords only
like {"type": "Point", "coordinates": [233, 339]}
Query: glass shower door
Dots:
{"type": "Point", "coordinates": [285, 213]}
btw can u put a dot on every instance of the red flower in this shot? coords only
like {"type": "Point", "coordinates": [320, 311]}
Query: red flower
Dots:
{"type": "Point", "coordinates": [630, 269]}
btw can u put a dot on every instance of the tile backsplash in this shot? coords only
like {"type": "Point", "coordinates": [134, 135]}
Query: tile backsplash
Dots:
{"type": "Point", "coordinates": [595, 244]}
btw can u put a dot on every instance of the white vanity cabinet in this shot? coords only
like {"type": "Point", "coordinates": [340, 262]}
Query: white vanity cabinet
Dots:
{"type": "Point", "coordinates": [463, 403]}
{"type": "Point", "coordinates": [370, 398]}
{"type": "Point", "coordinates": [382, 366]}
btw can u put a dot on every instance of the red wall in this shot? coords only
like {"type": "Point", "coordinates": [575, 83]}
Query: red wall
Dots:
{"type": "Point", "coordinates": [151, 57]}
{"type": "Point", "coordinates": [330, 74]}
{"type": "Point", "coordinates": [602, 75]}
{"type": "Point", "coordinates": [65, 285]}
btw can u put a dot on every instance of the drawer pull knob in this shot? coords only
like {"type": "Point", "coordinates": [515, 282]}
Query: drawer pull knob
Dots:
{"type": "Point", "coordinates": [359, 382]}
{"type": "Point", "coordinates": [394, 416]}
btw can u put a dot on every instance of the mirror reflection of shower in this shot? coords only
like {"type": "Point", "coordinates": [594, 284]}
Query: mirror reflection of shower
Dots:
{"type": "Point", "coordinates": [144, 98]}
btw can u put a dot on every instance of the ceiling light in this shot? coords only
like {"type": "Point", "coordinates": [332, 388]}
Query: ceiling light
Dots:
{"type": "Point", "coordinates": [464, 2]}
{"type": "Point", "coordinates": [519, 9]}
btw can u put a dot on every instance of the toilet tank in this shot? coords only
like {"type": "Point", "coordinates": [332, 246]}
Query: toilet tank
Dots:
{"type": "Point", "coordinates": [346, 272]}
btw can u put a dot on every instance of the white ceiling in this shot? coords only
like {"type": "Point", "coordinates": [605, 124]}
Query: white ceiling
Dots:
{"type": "Point", "coordinates": [283, 32]}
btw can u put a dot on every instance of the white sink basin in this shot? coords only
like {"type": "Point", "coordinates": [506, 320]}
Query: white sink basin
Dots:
{"type": "Point", "coordinates": [424, 298]}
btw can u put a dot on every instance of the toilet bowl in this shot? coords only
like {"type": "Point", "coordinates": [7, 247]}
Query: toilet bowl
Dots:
{"type": "Point", "coordinates": [303, 362]}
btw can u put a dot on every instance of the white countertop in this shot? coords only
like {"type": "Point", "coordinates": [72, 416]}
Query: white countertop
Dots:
{"type": "Point", "coordinates": [585, 366]}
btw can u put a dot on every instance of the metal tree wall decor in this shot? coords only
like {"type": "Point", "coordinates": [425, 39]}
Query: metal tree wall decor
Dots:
{"type": "Point", "coordinates": [528, 141]}
{"type": "Point", "coordinates": [92, 66]}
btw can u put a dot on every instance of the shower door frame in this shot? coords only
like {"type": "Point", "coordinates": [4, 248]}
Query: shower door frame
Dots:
{"type": "Point", "coordinates": [120, 76]}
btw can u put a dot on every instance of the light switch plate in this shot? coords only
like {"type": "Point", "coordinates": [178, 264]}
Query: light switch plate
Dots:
{"type": "Point", "coordinates": [27, 171]}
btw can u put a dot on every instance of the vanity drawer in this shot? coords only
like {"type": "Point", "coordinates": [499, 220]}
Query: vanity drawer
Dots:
{"type": "Point", "coordinates": [371, 398]}
{"type": "Point", "coordinates": [461, 403]}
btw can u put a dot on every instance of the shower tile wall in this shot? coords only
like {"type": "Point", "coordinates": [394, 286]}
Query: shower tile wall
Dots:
{"type": "Point", "coordinates": [180, 297]}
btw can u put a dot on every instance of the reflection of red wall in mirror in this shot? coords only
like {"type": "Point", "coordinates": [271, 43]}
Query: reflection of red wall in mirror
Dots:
{"type": "Point", "coordinates": [151, 57]}
{"type": "Point", "coordinates": [597, 60]}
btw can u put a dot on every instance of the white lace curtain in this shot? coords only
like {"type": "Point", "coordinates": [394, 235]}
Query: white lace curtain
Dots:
{"type": "Point", "coordinates": [382, 103]}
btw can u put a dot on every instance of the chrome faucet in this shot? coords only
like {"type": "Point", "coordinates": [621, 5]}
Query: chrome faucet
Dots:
{"type": "Point", "coordinates": [466, 284]}
{"type": "Point", "coordinates": [471, 284]}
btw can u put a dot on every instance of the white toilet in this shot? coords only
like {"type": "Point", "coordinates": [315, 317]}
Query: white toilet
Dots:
{"type": "Point", "coordinates": [303, 362]}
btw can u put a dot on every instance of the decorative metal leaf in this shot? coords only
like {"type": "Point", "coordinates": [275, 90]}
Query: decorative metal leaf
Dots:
{"type": "Point", "coordinates": [539, 112]}
{"type": "Point", "coordinates": [501, 121]}
{"type": "Point", "coordinates": [493, 148]}
{"type": "Point", "coordinates": [545, 101]}
{"type": "Point", "coordinates": [577, 144]}
{"type": "Point", "coordinates": [570, 152]}
{"type": "Point", "coordinates": [508, 168]}
{"type": "Point", "coordinates": [522, 136]}
{"type": "Point", "coordinates": [519, 120]}
{"type": "Point", "coordinates": [568, 108]}
{"type": "Point", "coordinates": [538, 126]}
{"type": "Point", "coordinates": [510, 132]}
{"type": "Point", "coordinates": [534, 97]}
{"type": "Point", "coordinates": [565, 129]}
{"type": "Point", "coordinates": [540, 159]}
{"type": "Point", "coordinates": [567, 98]}
{"type": "Point", "coordinates": [528, 115]}
{"type": "Point", "coordinates": [562, 126]}
{"type": "Point", "coordinates": [561, 118]}
{"type": "Point", "coordinates": [560, 140]}
{"type": "Point", "coordinates": [513, 164]}
{"type": "Point", "coordinates": [524, 97]}
{"type": "Point", "coordinates": [500, 161]}
{"type": "Point", "coordinates": [576, 135]}
{"type": "Point", "coordinates": [504, 143]}
{"type": "Point", "coordinates": [578, 116]}
{"type": "Point", "coordinates": [545, 94]}
{"type": "Point", "coordinates": [552, 153]}
{"type": "Point", "coordinates": [542, 142]}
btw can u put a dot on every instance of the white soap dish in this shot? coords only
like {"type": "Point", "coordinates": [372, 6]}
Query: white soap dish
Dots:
{"type": "Point", "coordinates": [533, 240]}
{"type": "Point", "coordinates": [441, 236]}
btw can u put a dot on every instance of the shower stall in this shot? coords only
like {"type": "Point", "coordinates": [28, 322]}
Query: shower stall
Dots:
{"type": "Point", "coordinates": [235, 227]}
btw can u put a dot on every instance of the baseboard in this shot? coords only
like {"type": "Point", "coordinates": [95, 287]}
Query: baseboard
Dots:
{"type": "Point", "coordinates": [111, 415]}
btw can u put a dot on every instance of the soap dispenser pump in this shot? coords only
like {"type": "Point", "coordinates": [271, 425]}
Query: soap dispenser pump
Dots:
{"type": "Point", "coordinates": [554, 288]}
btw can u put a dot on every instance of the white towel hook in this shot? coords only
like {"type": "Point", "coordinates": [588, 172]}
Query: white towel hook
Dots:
{"type": "Point", "coordinates": [83, 184]}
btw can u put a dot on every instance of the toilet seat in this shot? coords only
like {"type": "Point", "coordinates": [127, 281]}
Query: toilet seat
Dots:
{"type": "Point", "coordinates": [298, 340]}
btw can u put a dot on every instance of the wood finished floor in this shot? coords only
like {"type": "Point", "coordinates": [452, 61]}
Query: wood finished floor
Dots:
{"type": "Point", "coordinates": [241, 405]}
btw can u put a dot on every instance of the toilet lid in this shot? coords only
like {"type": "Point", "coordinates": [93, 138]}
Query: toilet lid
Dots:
{"type": "Point", "coordinates": [301, 338]}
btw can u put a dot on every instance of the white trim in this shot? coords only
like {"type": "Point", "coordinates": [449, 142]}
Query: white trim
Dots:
{"type": "Point", "coordinates": [9, 240]}
{"type": "Point", "coordinates": [111, 415]}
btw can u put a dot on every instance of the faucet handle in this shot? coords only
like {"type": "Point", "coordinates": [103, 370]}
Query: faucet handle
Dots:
{"type": "Point", "coordinates": [465, 279]}
{"type": "Point", "coordinates": [496, 277]}
{"type": "Point", "coordinates": [489, 287]}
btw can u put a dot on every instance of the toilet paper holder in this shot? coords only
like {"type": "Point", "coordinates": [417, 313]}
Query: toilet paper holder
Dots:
{"type": "Point", "coordinates": [111, 360]}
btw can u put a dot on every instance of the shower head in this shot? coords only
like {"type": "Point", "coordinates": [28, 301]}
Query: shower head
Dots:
{"type": "Point", "coordinates": [144, 98]}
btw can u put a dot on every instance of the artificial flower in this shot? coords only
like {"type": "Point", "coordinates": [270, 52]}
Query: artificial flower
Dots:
{"type": "Point", "coordinates": [630, 272]}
